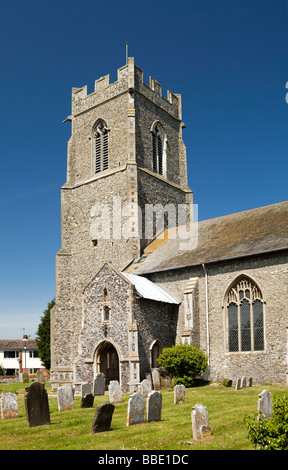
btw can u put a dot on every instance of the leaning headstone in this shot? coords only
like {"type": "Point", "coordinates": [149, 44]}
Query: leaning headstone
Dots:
{"type": "Point", "coordinates": [145, 387]}
{"type": "Point", "coordinates": [200, 422]}
{"type": "Point", "coordinates": [65, 398]}
{"type": "Point", "coordinates": [99, 384]}
{"type": "Point", "coordinates": [179, 394]}
{"type": "Point", "coordinates": [264, 407]}
{"type": "Point", "coordinates": [9, 405]}
{"type": "Point", "coordinates": [136, 409]}
{"type": "Point", "coordinates": [156, 379]}
{"type": "Point", "coordinates": [115, 395]}
{"type": "Point", "coordinates": [154, 406]}
{"type": "Point", "coordinates": [39, 375]}
{"type": "Point", "coordinates": [238, 384]}
{"type": "Point", "coordinates": [250, 382]}
{"type": "Point", "coordinates": [243, 382]}
{"type": "Point", "coordinates": [85, 389]}
{"type": "Point", "coordinates": [103, 417]}
{"type": "Point", "coordinates": [87, 401]}
{"type": "Point", "coordinates": [37, 405]}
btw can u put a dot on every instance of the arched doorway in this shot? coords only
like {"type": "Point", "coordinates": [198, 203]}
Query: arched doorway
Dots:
{"type": "Point", "coordinates": [156, 350]}
{"type": "Point", "coordinates": [108, 361]}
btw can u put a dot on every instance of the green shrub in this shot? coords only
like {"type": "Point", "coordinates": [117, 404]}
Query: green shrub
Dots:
{"type": "Point", "coordinates": [184, 363]}
{"type": "Point", "coordinates": [270, 434]}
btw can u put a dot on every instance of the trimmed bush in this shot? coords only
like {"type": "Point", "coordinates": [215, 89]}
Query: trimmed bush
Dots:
{"type": "Point", "coordinates": [184, 363]}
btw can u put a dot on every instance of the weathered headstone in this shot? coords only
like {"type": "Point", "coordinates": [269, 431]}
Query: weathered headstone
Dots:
{"type": "Point", "coordinates": [136, 409]}
{"type": "Point", "coordinates": [145, 387]}
{"type": "Point", "coordinates": [238, 384]}
{"type": "Point", "coordinates": [156, 379]}
{"type": "Point", "coordinates": [250, 382]}
{"type": "Point", "coordinates": [99, 384]}
{"type": "Point", "coordinates": [24, 377]}
{"type": "Point", "coordinates": [200, 422]}
{"type": "Point", "coordinates": [9, 405]}
{"type": "Point", "coordinates": [229, 383]}
{"type": "Point", "coordinates": [103, 417]}
{"type": "Point", "coordinates": [264, 407]}
{"type": "Point", "coordinates": [85, 389]}
{"type": "Point", "coordinates": [37, 405]}
{"type": "Point", "coordinates": [40, 376]}
{"type": "Point", "coordinates": [179, 394]}
{"type": "Point", "coordinates": [243, 382]}
{"type": "Point", "coordinates": [154, 406]}
{"type": "Point", "coordinates": [115, 395]}
{"type": "Point", "coordinates": [87, 401]}
{"type": "Point", "coordinates": [65, 398]}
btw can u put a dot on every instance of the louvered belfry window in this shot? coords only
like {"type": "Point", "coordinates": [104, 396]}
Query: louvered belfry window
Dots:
{"type": "Point", "coordinates": [157, 143]}
{"type": "Point", "coordinates": [101, 147]}
{"type": "Point", "coordinates": [245, 317]}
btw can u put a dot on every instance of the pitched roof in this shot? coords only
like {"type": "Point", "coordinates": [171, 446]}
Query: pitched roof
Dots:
{"type": "Point", "coordinates": [247, 233]}
{"type": "Point", "coordinates": [150, 290]}
{"type": "Point", "coordinates": [17, 344]}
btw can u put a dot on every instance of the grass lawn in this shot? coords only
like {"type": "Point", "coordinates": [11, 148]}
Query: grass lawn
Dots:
{"type": "Point", "coordinates": [70, 430]}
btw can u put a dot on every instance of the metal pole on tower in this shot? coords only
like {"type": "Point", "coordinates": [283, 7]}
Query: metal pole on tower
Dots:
{"type": "Point", "coordinates": [126, 53]}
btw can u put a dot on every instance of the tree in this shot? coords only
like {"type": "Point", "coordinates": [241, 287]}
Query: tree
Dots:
{"type": "Point", "coordinates": [184, 362]}
{"type": "Point", "coordinates": [43, 336]}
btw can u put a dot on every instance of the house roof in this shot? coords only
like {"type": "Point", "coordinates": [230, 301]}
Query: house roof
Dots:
{"type": "Point", "coordinates": [247, 233]}
{"type": "Point", "coordinates": [17, 344]}
{"type": "Point", "coordinates": [149, 290]}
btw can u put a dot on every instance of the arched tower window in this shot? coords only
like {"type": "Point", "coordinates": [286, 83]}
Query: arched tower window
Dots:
{"type": "Point", "coordinates": [245, 317]}
{"type": "Point", "coordinates": [159, 149]}
{"type": "Point", "coordinates": [100, 147]}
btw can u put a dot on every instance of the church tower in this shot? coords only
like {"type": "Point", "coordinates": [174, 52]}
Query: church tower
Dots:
{"type": "Point", "coordinates": [125, 152]}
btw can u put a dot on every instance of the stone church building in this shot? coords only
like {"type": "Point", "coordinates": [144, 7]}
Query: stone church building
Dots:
{"type": "Point", "coordinates": [136, 272]}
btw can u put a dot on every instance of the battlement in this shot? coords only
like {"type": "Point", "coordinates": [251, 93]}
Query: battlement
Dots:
{"type": "Point", "coordinates": [130, 78]}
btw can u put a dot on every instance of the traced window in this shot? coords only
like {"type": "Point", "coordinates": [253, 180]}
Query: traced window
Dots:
{"type": "Point", "coordinates": [158, 147]}
{"type": "Point", "coordinates": [245, 317]}
{"type": "Point", "coordinates": [100, 147]}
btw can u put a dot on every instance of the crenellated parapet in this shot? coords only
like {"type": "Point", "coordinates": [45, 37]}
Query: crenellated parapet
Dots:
{"type": "Point", "coordinates": [129, 80]}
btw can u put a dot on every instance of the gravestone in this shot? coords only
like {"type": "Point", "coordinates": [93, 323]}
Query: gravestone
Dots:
{"type": "Point", "coordinates": [103, 417]}
{"type": "Point", "coordinates": [40, 376]}
{"type": "Point", "coordinates": [136, 409]}
{"type": "Point", "coordinates": [243, 382]}
{"type": "Point", "coordinates": [264, 407]}
{"type": "Point", "coordinates": [115, 395]}
{"type": "Point", "coordinates": [229, 383]}
{"type": "Point", "coordinates": [99, 384]}
{"type": "Point", "coordinates": [238, 384]}
{"type": "Point", "coordinates": [179, 394]}
{"type": "Point", "coordinates": [154, 406]}
{"type": "Point", "coordinates": [87, 401]}
{"type": "Point", "coordinates": [85, 389]}
{"type": "Point", "coordinates": [36, 405]}
{"type": "Point", "coordinates": [156, 379]}
{"type": "Point", "coordinates": [145, 387]}
{"type": "Point", "coordinates": [250, 382]}
{"type": "Point", "coordinates": [24, 377]}
{"type": "Point", "coordinates": [200, 422]}
{"type": "Point", "coordinates": [9, 405]}
{"type": "Point", "coordinates": [65, 398]}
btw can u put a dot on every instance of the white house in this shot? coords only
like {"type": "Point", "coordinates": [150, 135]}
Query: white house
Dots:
{"type": "Point", "coordinates": [19, 355]}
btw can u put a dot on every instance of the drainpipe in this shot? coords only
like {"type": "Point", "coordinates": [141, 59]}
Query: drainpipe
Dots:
{"type": "Point", "coordinates": [207, 313]}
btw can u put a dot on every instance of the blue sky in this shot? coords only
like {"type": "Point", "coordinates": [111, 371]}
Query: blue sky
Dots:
{"type": "Point", "coordinates": [228, 60]}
